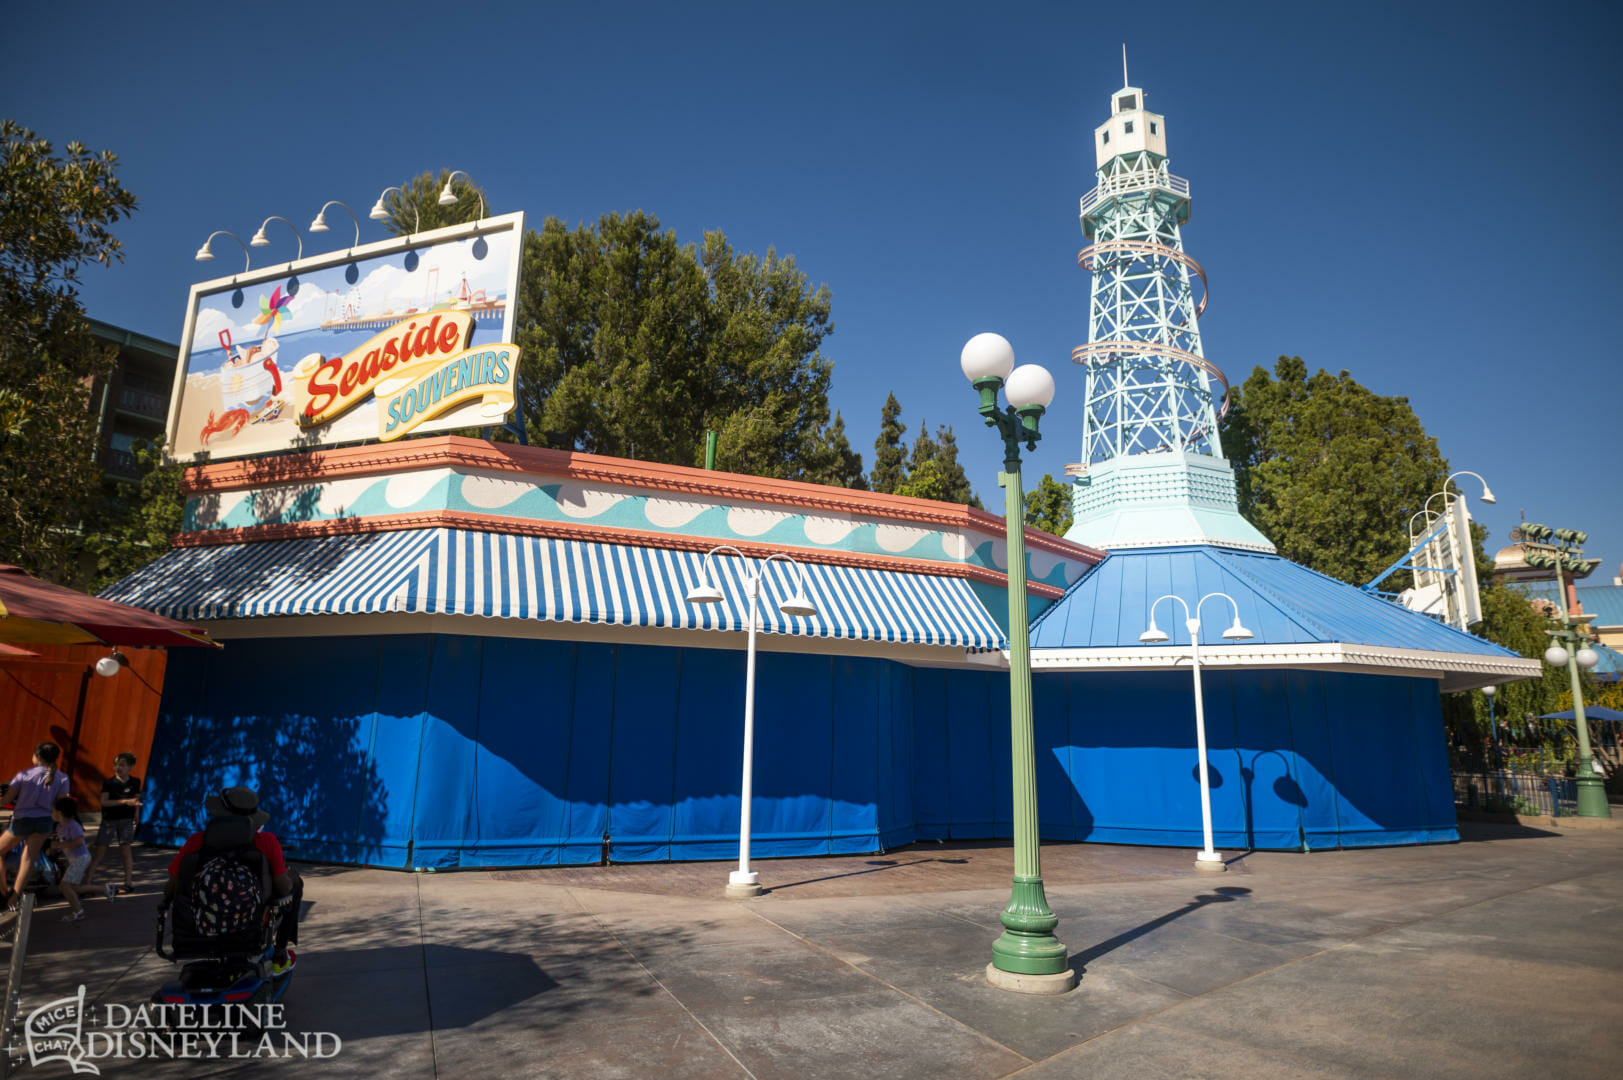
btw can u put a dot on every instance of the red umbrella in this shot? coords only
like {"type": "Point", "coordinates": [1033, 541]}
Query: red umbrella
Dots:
{"type": "Point", "coordinates": [34, 612]}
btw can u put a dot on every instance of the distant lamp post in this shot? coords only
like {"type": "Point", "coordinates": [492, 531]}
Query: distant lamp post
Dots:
{"type": "Point", "coordinates": [744, 882]}
{"type": "Point", "coordinates": [379, 212]}
{"type": "Point", "coordinates": [1493, 728]}
{"type": "Point", "coordinates": [1562, 550]}
{"type": "Point", "coordinates": [449, 197]}
{"type": "Point", "coordinates": [1208, 859]}
{"type": "Point", "coordinates": [1028, 958]}
{"type": "Point", "coordinates": [205, 254]}
{"type": "Point", "coordinates": [320, 223]}
{"type": "Point", "coordinates": [261, 240]}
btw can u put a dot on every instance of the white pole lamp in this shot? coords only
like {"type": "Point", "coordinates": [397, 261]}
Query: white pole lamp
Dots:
{"type": "Point", "coordinates": [205, 254]}
{"type": "Point", "coordinates": [1207, 859]}
{"type": "Point", "coordinates": [744, 882]}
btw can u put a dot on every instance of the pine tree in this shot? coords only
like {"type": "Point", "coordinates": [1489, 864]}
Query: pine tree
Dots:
{"type": "Point", "coordinates": [889, 461]}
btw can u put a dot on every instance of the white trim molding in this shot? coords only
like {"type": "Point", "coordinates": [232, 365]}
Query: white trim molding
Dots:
{"type": "Point", "coordinates": [1457, 671]}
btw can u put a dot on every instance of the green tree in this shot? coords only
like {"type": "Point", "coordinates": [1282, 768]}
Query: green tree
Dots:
{"type": "Point", "coordinates": [133, 524]}
{"type": "Point", "coordinates": [834, 462]}
{"type": "Point", "coordinates": [1048, 506]}
{"type": "Point", "coordinates": [1329, 471]}
{"type": "Point", "coordinates": [635, 346]}
{"type": "Point", "coordinates": [933, 469]}
{"type": "Point", "coordinates": [56, 215]}
{"type": "Point", "coordinates": [889, 459]}
{"type": "Point", "coordinates": [416, 206]}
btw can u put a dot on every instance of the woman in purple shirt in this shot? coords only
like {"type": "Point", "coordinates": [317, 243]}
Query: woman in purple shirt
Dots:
{"type": "Point", "coordinates": [33, 791]}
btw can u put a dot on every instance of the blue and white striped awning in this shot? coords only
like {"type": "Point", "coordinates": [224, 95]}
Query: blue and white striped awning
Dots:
{"type": "Point", "coordinates": [462, 572]}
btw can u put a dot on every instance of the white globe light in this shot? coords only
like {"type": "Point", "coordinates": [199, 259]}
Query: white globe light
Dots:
{"type": "Point", "coordinates": [987, 356]}
{"type": "Point", "coordinates": [1555, 656]}
{"type": "Point", "coordinates": [107, 667]}
{"type": "Point", "coordinates": [1587, 657]}
{"type": "Point", "coordinates": [1029, 384]}
{"type": "Point", "coordinates": [1490, 690]}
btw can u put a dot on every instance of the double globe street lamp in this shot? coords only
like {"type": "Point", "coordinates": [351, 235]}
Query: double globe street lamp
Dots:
{"type": "Point", "coordinates": [744, 882]}
{"type": "Point", "coordinates": [1208, 858]}
{"type": "Point", "coordinates": [1028, 958]}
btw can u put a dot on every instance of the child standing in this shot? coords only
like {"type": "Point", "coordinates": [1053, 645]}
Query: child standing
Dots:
{"type": "Point", "coordinates": [33, 791]}
{"type": "Point", "coordinates": [70, 844]}
{"type": "Point", "coordinates": [120, 804]}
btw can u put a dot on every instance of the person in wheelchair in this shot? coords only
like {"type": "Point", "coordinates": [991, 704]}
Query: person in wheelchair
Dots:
{"type": "Point", "coordinates": [230, 882]}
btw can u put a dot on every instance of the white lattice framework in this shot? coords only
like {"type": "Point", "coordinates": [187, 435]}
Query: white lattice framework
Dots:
{"type": "Point", "coordinates": [1149, 388]}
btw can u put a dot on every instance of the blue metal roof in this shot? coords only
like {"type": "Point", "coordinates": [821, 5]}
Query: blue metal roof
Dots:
{"type": "Point", "coordinates": [1280, 602]}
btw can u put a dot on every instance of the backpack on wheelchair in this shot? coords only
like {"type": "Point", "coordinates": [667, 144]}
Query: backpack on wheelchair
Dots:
{"type": "Point", "coordinates": [225, 919]}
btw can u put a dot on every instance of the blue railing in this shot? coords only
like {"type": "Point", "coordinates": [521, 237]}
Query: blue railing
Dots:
{"type": "Point", "coordinates": [1517, 793]}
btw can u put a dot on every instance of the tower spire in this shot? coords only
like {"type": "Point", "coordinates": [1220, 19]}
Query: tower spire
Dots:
{"type": "Point", "coordinates": [1153, 471]}
{"type": "Point", "coordinates": [1124, 81]}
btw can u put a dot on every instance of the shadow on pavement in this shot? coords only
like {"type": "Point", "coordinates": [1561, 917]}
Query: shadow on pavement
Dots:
{"type": "Point", "coordinates": [1224, 895]}
{"type": "Point", "coordinates": [1472, 832]}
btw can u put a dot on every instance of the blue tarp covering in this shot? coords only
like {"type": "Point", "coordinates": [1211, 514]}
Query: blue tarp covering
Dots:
{"type": "Point", "coordinates": [446, 751]}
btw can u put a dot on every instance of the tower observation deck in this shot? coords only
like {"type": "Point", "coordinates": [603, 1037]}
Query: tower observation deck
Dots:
{"type": "Point", "coordinates": [1152, 469]}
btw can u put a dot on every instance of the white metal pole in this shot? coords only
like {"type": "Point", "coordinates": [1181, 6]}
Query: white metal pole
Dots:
{"type": "Point", "coordinates": [742, 881]}
{"type": "Point", "coordinates": [1207, 855]}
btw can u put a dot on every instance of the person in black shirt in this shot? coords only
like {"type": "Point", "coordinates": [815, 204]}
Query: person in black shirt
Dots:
{"type": "Point", "coordinates": [120, 803]}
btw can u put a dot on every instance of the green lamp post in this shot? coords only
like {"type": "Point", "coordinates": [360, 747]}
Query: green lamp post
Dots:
{"type": "Point", "coordinates": [1569, 647]}
{"type": "Point", "coordinates": [1028, 958]}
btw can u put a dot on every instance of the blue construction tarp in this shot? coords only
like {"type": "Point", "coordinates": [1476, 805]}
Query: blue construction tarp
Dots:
{"type": "Point", "coordinates": [455, 751]}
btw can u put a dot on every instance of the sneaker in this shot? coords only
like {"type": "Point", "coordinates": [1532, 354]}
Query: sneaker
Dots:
{"type": "Point", "coordinates": [278, 970]}
{"type": "Point", "coordinates": [74, 916]}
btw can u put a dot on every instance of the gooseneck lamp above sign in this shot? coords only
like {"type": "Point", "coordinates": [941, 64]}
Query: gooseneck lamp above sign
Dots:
{"type": "Point", "coordinates": [449, 197]}
{"type": "Point", "coordinates": [1027, 958]}
{"type": "Point", "coordinates": [379, 212]}
{"type": "Point", "coordinates": [320, 223]}
{"type": "Point", "coordinates": [744, 882]}
{"type": "Point", "coordinates": [261, 240]}
{"type": "Point", "coordinates": [204, 254]}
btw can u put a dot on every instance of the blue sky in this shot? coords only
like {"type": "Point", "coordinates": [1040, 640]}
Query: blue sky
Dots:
{"type": "Point", "coordinates": [1422, 194]}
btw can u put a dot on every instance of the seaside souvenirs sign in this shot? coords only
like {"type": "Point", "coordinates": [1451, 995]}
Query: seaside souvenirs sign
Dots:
{"type": "Point", "coordinates": [409, 335]}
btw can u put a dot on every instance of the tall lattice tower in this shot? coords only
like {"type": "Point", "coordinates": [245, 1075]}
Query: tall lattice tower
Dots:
{"type": "Point", "coordinates": [1152, 469]}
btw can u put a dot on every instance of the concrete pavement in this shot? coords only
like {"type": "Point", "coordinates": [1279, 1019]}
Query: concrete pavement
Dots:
{"type": "Point", "coordinates": [1500, 956]}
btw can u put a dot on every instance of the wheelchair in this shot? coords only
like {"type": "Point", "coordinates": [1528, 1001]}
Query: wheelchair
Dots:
{"type": "Point", "coordinates": [231, 968]}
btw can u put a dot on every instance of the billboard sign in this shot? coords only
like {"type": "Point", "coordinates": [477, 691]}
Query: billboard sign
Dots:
{"type": "Point", "coordinates": [408, 335]}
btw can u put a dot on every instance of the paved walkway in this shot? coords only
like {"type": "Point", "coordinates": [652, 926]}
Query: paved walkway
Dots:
{"type": "Point", "coordinates": [1498, 957]}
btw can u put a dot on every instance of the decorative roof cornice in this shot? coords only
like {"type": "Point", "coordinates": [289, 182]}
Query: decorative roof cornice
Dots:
{"type": "Point", "coordinates": [454, 451]}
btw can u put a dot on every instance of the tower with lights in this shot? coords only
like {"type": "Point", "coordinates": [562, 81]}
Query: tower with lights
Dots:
{"type": "Point", "coordinates": [1152, 470]}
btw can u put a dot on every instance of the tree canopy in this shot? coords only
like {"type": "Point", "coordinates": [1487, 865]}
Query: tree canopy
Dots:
{"type": "Point", "coordinates": [635, 346]}
{"type": "Point", "coordinates": [1048, 506]}
{"type": "Point", "coordinates": [889, 459]}
{"type": "Point", "coordinates": [1328, 470]}
{"type": "Point", "coordinates": [56, 215]}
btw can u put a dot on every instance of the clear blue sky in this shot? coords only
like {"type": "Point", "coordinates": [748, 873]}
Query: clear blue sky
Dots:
{"type": "Point", "coordinates": [1423, 194]}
